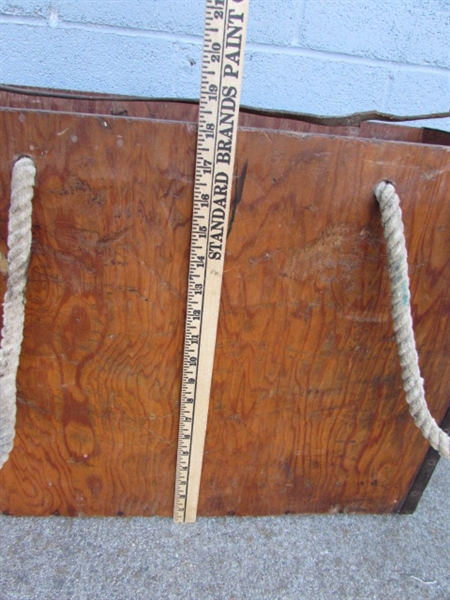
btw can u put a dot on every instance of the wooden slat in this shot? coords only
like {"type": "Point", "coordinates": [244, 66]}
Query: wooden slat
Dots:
{"type": "Point", "coordinates": [307, 412]}
{"type": "Point", "coordinates": [188, 112]}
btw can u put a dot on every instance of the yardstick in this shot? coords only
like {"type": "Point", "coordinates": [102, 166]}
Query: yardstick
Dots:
{"type": "Point", "coordinates": [221, 83]}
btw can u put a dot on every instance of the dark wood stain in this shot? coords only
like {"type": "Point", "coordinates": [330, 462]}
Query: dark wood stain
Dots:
{"type": "Point", "coordinates": [237, 197]}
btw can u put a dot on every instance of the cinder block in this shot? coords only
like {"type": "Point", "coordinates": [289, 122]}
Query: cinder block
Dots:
{"type": "Point", "coordinates": [419, 92]}
{"type": "Point", "coordinates": [86, 60]}
{"type": "Point", "coordinates": [172, 16]}
{"type": "Point", "coordinates": [289, 81]}
{"type": "Point", "coordinates": [29, 8]}
{"type": "Point", "coordinates": [274, 22]}
{"type": "Point", "coordinates": [269, 23]}
{"type": "Point", "coordinates": [415, 32]}
{"type": "Point", "coordinates": [189, 70]}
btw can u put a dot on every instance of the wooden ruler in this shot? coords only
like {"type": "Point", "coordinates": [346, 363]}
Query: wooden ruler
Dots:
{"type": "Point", "coordinates": [222, 67]}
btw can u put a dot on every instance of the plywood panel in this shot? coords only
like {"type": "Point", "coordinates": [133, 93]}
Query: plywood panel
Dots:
{"type": "Point", "coordinates": [187, 111]}
{"type": "Point", "coordinates": [307, 412]}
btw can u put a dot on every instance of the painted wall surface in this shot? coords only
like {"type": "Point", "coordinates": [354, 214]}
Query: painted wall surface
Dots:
{"type": "Point", "coordinates": [326, 57]}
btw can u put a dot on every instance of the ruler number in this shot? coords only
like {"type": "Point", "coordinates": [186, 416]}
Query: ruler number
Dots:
{"type": "Point", "coordinates": [212, 93]}
{"type": "Point", "coordinates": [209, 130]}
{"type": "Point", "coordinates": [215, 47]}
{"type": "Point", "coordinates": [206, 166]}
{"type": "Point", "coordinates": [199, 261]}
{"type": "Point", "coordinates": [218, 14]}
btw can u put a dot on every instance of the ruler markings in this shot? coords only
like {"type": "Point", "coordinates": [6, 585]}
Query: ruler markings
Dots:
{"type": "Point", "coordinates": [206, 269]}
{"type": "Point", "coordinates": [185, 484]}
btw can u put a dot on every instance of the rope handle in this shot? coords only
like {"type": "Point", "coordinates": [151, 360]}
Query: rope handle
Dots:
{"type": "Point", "coordinates": [19, 244]}
{"type": "Point", "coordinates": [391, 219]}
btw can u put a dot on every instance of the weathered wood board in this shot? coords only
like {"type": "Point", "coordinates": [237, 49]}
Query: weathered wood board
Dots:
{"type": "Point", "coordinates": [307, 412]}
{"type": "Point", "coordinates": [73, 102]}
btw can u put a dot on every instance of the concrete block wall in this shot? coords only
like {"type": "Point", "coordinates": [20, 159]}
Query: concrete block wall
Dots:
{"type": "Point", "coordinates": [326, 57]}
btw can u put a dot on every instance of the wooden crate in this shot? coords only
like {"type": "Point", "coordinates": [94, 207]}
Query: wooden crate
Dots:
{"type": "Point", "coordinates": [307, 412]}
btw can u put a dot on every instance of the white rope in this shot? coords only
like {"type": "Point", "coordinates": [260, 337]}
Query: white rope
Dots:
{"type": "Point", "coordinates": [19, 243]}
{"type": "Point", "coordinates": [391, 218]}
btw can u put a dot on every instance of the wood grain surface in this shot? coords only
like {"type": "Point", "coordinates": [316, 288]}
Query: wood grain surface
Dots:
{"type": "Point", "coordinates": [307, 411]}
{"type": "Point", "coordinates": [188, 112]}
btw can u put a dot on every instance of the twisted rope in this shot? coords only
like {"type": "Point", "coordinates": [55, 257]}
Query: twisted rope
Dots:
{"type": "Point", "coordinates": [19, 243]}
{"type": "Point", "coordinates": [391, 218]}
